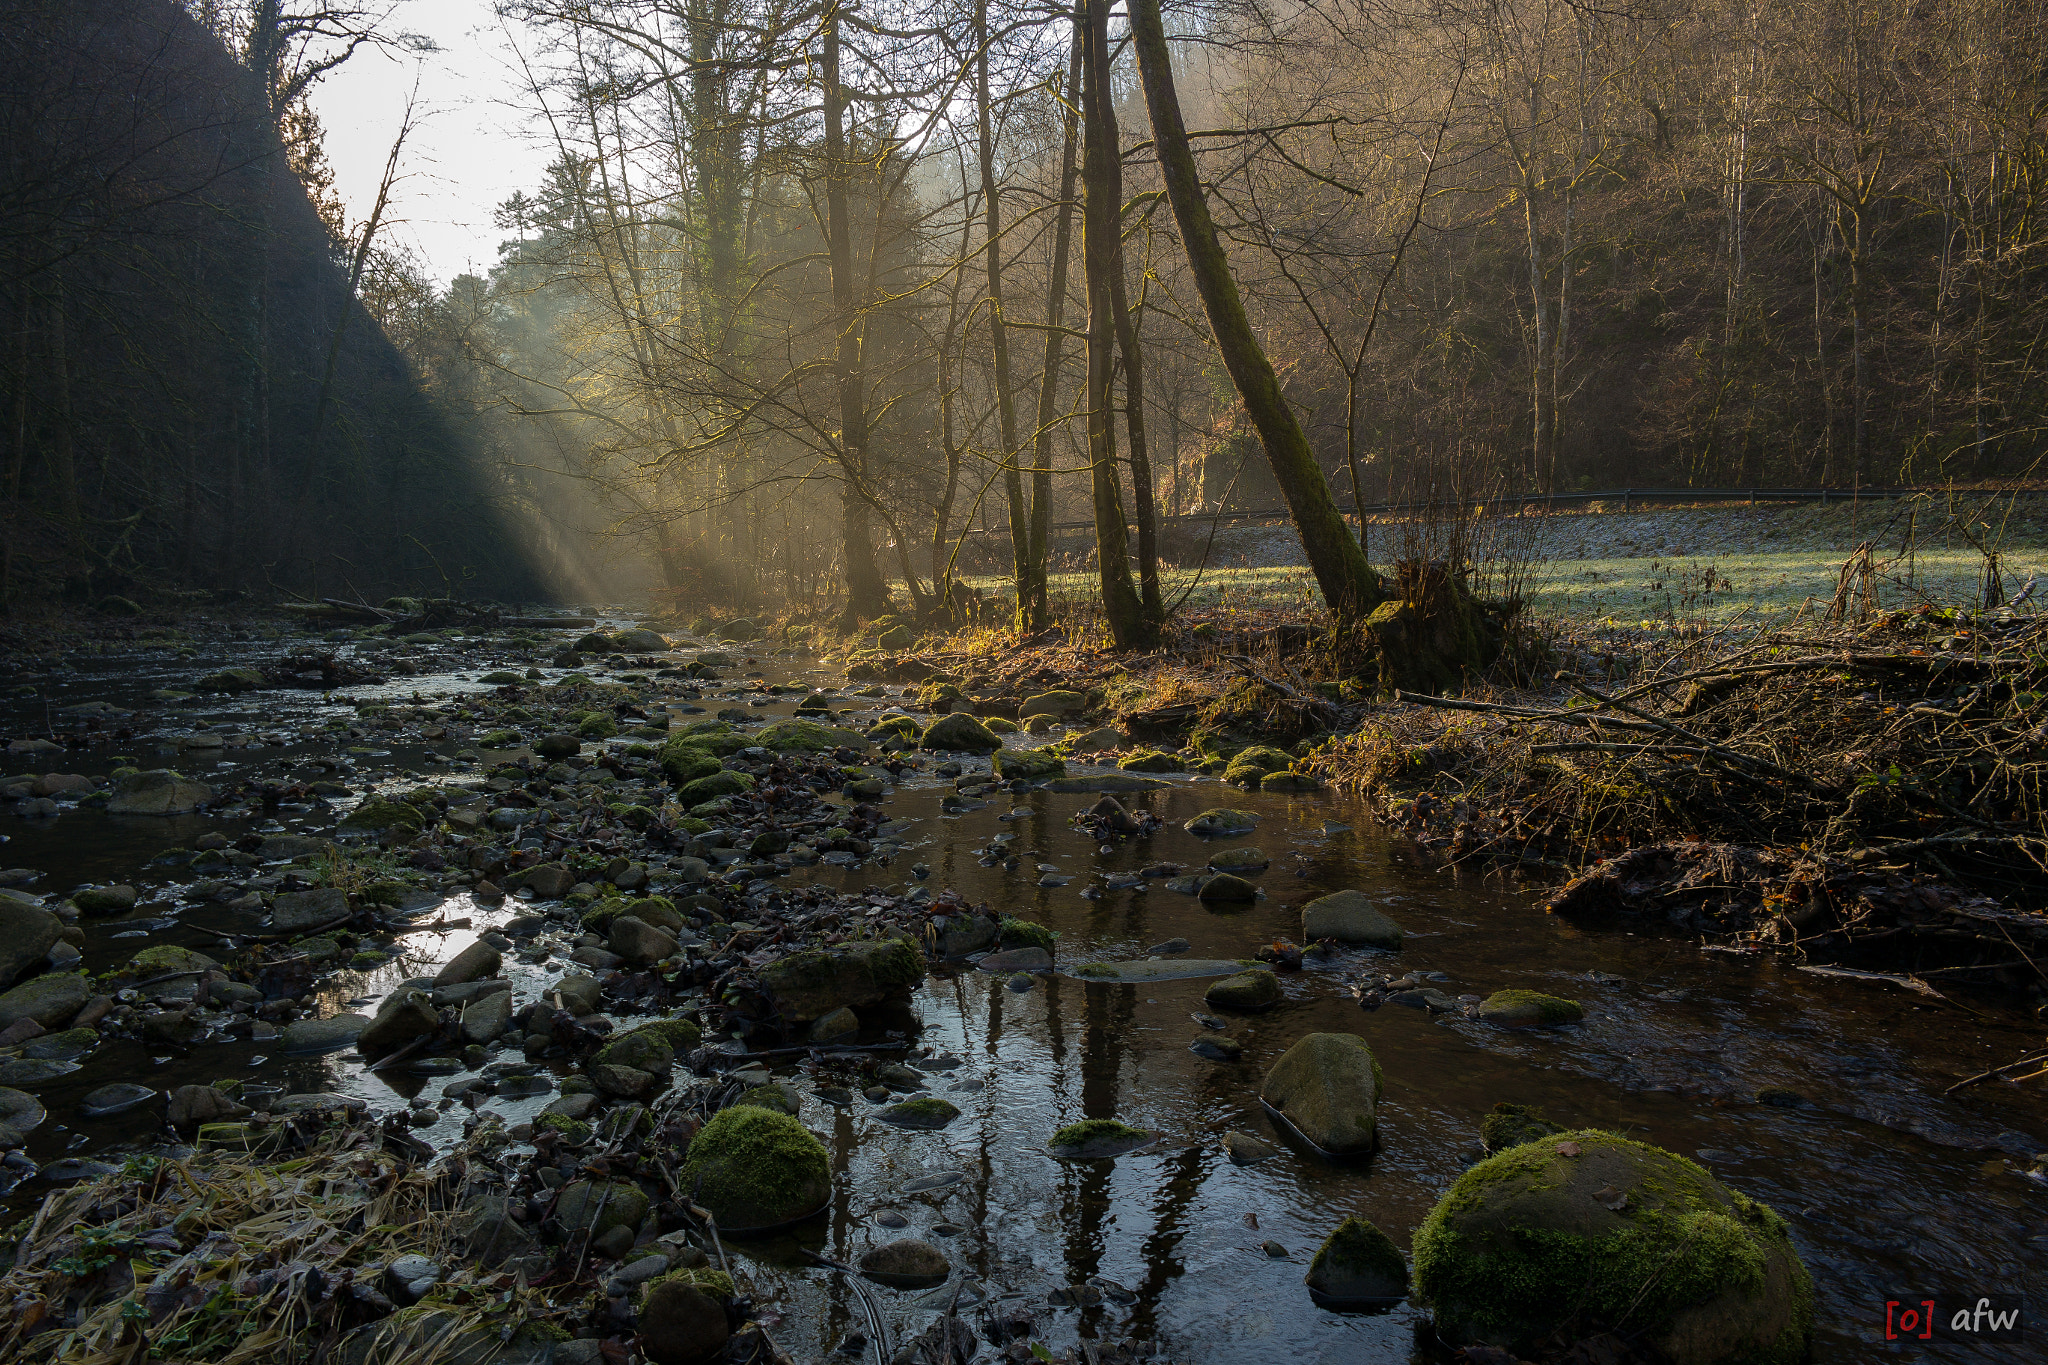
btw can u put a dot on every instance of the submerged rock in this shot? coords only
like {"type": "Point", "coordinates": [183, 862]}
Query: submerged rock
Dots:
{"type": "Point", "coordinates": [117, 1098]}
{"type": "Point", "coordinates": [1328, 1086]}
{"type": "Point", "coordinates": [1221, 821]}
{"type": "Point", "coordinates": [926, 1111]}
{"type": "Point", "coordinates": [1357, 1263]}
{"type": "Point", "coordinates": [324, 1035]}
{"type": "Point", "coordinates": [1226, 889]}
{"type": "Point", "coordinates": [1588, 1229]}
{"type": "Point", "coordinates": [1257, 989]}
{"type": "Point", "coordinates": [1247, 1150]}
{"type": "Point", "coordinates": [158, 792]}
{"type": "Point", "coordinates": [1349, 917]}
{"type": "Point", "coordinates": [1511, 1125]}
{"type": "Point", "coordinates": [1529, 1009]}
{"type": "Point", "coordinates": [906, 1264]}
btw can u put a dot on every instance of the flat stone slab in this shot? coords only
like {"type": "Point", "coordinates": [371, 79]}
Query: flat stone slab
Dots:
{"type": "Point", "coordinates": [1178, 969]}
{"type": "Point", "coordinates": [1106, 783]}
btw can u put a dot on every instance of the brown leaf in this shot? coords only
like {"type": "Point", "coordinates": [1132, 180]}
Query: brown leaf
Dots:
{"type": "Point", "coordinates": [1567, 1149]}
{"type": "Point", "coordinates": [1611, 1198]}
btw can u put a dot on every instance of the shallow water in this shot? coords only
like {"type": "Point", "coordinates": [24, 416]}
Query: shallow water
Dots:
{"type": "Point", "coordinates": [1892, 1192]}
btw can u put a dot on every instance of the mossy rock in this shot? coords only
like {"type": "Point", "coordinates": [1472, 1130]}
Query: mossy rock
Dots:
{"type": "Point", "coordinates": [382, 815]}
{"type": "Point", "coordinates": [938, 696]}
{"type": "Point", "coordinates": [1328, 1086]}
{"type": "Point", "coordinates": [231, 680]}
{"type": "Point", "coordinates": [960, 732]}
{"type": "Point", "coordinates": [718, 784]}
{"type": "Point", "coordinates": [1357, 1264]}
{"type": "Point", "coordinates": [1250, 858]}
{"type": "Point", "coordinates": [499, 739]}
{"type": "Point", "coordinates": [810, 985]}
{"type": "Point", "coordinates": [1529, 1009]}
{"type": "Point", "coordinates": [502, 678]}
{"type": "Point", "coordinates": [1257, 989]}
{"type": "Point", "coordinates": [1251, 765]}
{"type": "Point", "coordinates": [925, 1111]}
{"type": "Point", "coordinates": [1511, 1125]}
{"type": "Point", "coordinates": [1290, 782]}
{"type": "Point", "coordinates": [597, 1206]}
{"type": "Point", "coordinates": [1220, 822]}
{"type": "Point", "coordinates": [773, 1096]}
{"type": "Point", "coordinates": [1058, 703]}
{"type": "Point", "coordinates": [165, 959]}
{"type": "Point", "coordinates": [1028, 765]}
{"type": "Point", "coordinates": [1024, 933]}
{"type": "Point", "coordinates": [1094, 1139]}
{"type": "Point", "coordinates": [598, 725]}
{"type": "Point", "coordinates": [1227, 888]}
{"type": "Point", "coordinates": [893, 727]}
{"type": "Point", "coordinates": [684, 761]}
{"type": "Point", "coordinates": [999, 725]}
{"type": "Point", "coordinates": [1583, 1232]}
{"type": "Point", "coordinates": [759, 1169]}
{"type": "Point", "coordinates": [570, 1130]}
{"type": "Point", "coordinates": [805, 737]}
{"type": "Point", "coordinates": [1150, 761]}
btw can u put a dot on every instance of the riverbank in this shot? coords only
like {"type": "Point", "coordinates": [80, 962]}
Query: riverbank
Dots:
{"type": "Point", "coordinates": [897, 916]}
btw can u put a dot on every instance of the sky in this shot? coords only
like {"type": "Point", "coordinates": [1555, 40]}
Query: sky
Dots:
{"type": "Point", "coordinates": [471, 148]}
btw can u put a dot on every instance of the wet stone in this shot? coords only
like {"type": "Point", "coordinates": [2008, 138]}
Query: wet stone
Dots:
{"type": "Point", "coordinates": [117, 1098]}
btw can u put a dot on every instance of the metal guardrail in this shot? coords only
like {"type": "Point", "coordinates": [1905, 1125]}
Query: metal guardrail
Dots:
{"type": "Point", "coordinates": [1628, 497]}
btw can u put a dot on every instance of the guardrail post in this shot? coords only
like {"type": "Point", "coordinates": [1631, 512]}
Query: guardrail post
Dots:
{"type": "Point", "coordinates": [1628, 499]}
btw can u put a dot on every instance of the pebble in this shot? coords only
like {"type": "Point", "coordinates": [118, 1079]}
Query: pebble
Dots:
{"type": "Point", "coordinates": [1021, 982]}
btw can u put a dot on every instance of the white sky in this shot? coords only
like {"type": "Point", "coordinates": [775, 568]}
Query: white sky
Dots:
{"type": "Point", "coordinates": [471, 148]}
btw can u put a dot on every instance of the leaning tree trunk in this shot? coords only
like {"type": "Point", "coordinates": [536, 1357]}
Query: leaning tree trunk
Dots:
{"type": "Point", "coordinates": [1142, 510]}
{"type": "Point", "coordinates": [1101, 233]}
{"type": "Point", "coordinates": [1348, 582]}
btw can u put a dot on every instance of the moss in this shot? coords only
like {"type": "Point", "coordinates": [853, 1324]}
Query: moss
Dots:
{"type": "Point", "coordinates": [997, 725]}
{"type": "Point", "coordinates": [682, 761]}
{"type": "Point", "coordinates": [758, 1167]}
{"type": "Point", "coordinates": [1251, 765]}
{"type": "Point", "coordinates": [631, 816]}
{"type": "Point", "coordinates": [597, 725]}
{"type": "Point", "coordinates": [719, 784]}
{"type": "Point", "coordinates": [1356, 1248]}
{"type": "Point", "coordinates": [924, 1111]}
{"type": "Point", "coordinates": [1024, 933]}
{"type": "Point", "coordinates": [779, 1098]}
{"type": "Point", "coordinates": [900, 727]}
{"type": "Point", "coordinates": [680, 1034]}
{"type": "Point", "coordinates": [716, 1283]}
{"type": "Point", "coordinates": [386, 815]}
{"type": "Point", "coordinates": [598, 917]}
{"type": "Point", "coordinates": [801, 736]}
{"type": "Point", "coordinates": [1511, 1253]}
{"type": "Point", "coordinates": [383, 893]}
{"type": "Point", "coordinates": [499, 739]}
{"type": "Point", "coordinates": [1090, 1131]}
{"type": "Point", "coordinates": [573, 1130]}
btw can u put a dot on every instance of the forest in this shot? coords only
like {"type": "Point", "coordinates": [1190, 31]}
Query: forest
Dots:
{"type": "Point", "coordinates": [825, 309]}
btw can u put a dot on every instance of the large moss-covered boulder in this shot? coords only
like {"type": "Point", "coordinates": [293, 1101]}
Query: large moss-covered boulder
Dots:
{"type": "Point", "coordinates": [805, 737]}
{"type": "Point", "coordinates": [681, 1324]}
{"type": "Point", "coordinates": [1328, 1086]}
{"type": "Point", "coordinates": [1349, 917]}
{"type": "Point", "coordinates": [1052, 704]}
{"type": "Point", "coordinates": [810, 985]}
{"type": "Point", "coordinates": [598, 1206]}
{"type": "Point", "coordinates": [959, 731]}
{"type": "Point", "coordinates": [1587, 1231]}
{"type": "Point", "coordinates": [758, 1168]}
{"type": "Point", "coordinates": [1250, 765]}
{"type": "Point", "coordinates": [1357, 1263]}
{"type": "Point", "coordinates": [1221, 822]}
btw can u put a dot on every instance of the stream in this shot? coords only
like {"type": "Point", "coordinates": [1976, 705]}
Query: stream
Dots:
{"type": "Point", "coordinates": [1892, 1191]}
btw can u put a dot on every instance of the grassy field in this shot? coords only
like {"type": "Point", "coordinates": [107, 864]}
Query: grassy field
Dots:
{"type": "Point", "coordinates": [1711, 564]}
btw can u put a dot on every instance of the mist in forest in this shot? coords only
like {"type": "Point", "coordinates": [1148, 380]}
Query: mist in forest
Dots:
{"type": "Point", "coordinates": [844, 311]}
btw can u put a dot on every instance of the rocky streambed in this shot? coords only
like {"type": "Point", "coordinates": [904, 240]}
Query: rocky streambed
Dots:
{"type": "Point", "coordinates": [574, 995]}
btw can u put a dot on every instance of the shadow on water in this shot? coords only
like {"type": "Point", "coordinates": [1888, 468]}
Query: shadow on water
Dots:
{"type": "Point", "coordinates": [1892, 1191]}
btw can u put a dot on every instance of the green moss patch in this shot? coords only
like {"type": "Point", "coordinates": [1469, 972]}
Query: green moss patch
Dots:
{"type": "Point", "coordinates": [758, 1168]}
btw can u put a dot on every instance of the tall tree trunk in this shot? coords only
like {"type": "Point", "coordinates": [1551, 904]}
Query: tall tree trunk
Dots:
{"type": "Point", "coordinates": [1348, 582]}
{"type": "Point", "coordinates": [998, 330]}
{"type": "Point", "coordinates": [1033, 610]}
{"type": "Point", "coordinates": [867, 595]}
{"type": "Point", "coordinates": [1101, 260]}
{"type": "Point", "coordinates": [1142, 509]}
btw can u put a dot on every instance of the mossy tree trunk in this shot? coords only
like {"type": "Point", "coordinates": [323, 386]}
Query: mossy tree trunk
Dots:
{"type": "Point", "coordinates": [1348, 582]}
